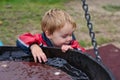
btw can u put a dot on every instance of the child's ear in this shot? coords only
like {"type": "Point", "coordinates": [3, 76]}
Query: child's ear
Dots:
{"type": "Point", "coordinates": [48, 35]}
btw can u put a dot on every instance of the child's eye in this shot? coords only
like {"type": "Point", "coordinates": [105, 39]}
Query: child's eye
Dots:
{"type": "Point", "coordinates": [64, 36]}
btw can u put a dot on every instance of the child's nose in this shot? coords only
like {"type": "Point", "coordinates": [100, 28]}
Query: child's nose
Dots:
{"type": "Point", "coordinates": [69, 38]}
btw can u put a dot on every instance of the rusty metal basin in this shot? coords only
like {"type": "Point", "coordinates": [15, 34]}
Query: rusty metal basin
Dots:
{"type": "Point", "coordinates": [79, 61]}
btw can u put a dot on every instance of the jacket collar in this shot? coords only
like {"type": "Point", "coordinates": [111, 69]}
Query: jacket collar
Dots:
{"type": "Point", "coordinates": [48, 42]}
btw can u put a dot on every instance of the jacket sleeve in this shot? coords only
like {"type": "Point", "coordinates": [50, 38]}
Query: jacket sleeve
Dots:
{"type": "Point", "coordinates": [24, 41]}
{"type": "Point", "coordinates": [75, 45]}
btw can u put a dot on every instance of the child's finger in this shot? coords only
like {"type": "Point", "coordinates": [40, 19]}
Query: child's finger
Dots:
{"type": "Point", "coordinates": [35, 58]}
{"type": "Point", "coordinates": [39, 59]}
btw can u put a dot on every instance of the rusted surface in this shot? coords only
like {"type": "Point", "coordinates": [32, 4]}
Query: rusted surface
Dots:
{"type": "Point", "coordinates": [10, 70]}
{"type": "Point", "coordinates": [110, 57]}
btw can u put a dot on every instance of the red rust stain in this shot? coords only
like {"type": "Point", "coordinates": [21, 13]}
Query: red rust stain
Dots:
{"type": "Point", "coordinates": [10, 70]}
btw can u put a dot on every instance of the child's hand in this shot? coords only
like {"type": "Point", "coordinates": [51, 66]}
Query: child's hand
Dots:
{"type": "Point", "coordinates": [38, 53]}
{"type": "Point", "coordinates": [65, 48]}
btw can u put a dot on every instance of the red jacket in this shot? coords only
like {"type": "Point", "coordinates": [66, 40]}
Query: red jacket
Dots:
{"type": "Point", "coordinates": [26, 40]}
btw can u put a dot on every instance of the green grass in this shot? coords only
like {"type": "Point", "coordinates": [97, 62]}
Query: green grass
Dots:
{"type": "Point", "coordinates": [32, 1]}
{"type": "Point", "coordinates": [103, 40]}
{"type": "Point", "coordinates": [112, 8]}
{"type": "Point", "coordinates": [100, 41]}
{"type": "Point", "coordinates": [85, 43]}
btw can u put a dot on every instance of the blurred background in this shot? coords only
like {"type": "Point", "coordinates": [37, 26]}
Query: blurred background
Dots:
{"type": "Point", "coordinates": [20, 16]}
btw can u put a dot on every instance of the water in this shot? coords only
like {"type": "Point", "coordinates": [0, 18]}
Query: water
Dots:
{"type": "Point", "coordinates": [62, 64]}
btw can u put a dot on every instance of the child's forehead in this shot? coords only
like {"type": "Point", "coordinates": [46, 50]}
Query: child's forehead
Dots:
{"type": "Point", "coordinates": [67, 29]}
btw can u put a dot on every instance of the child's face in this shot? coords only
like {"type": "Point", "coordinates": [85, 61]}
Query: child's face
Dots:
{"type": "Point", "coordinates": [62, 36]}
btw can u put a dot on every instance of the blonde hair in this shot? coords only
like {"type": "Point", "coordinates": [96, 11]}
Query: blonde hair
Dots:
{"type": "Point", "coordinates": [55, 19]}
